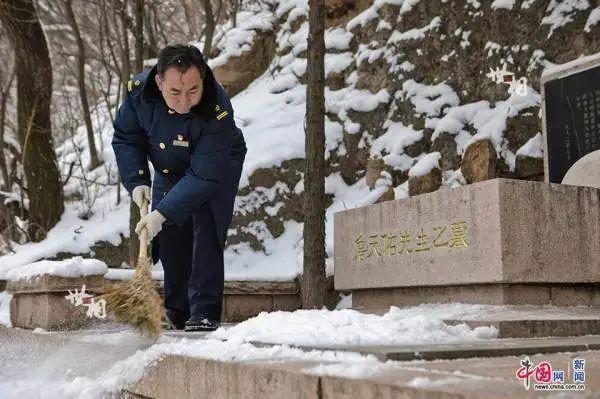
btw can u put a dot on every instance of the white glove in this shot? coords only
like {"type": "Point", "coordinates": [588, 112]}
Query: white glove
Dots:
{"type": "Point", "coordinates": [153, 224]}
{"type": "Point", "coordinates": [140, 193]}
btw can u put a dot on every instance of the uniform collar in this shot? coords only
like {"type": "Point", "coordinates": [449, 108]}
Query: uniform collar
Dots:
{"type": "Point", "coordinates": [204, 109]}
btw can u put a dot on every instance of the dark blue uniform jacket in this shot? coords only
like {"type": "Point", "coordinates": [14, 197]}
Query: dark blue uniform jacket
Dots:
{"type": "Point", "coordinates": [191, 153]}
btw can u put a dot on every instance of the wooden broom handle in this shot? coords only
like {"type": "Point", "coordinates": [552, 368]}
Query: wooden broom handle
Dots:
{"type": "Point", "coordinates": [144, 233]}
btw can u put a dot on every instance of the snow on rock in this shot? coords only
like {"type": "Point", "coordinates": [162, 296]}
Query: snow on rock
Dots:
{"type": "Point", "coordinates": [533, 147]}
{"type": "Point", "coordinates": [425, 165]}
{"type": "Point", "coordinates": [410, 326]}
{"type": "Point", "coordinates": [506, 4]}
{"type": "Point", "coordinates": [429, 100]}
{"type": "Point", "coordinates": [560, 13]}
{"type": "Point", "coordinates": [415, 33]}
{"type": "Point", "coordinates": [592, 20]}
{"type": "Point", "coordinates": [408, 5]}
{"type": "Point", "coordinates": [73, 267]}
{"type": "Point", "coordinates": [236, 41]}
{"type": "Point", "coordinates": [75, 235]}
{"type": "Point", "coordinates": [390, 145]}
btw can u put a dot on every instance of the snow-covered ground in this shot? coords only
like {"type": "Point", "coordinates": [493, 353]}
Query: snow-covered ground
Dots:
{"type": "Point", "coordinates": [94, 364]}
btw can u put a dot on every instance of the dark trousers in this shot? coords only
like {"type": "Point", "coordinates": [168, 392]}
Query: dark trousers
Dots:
{"type": "Point", "coordinates": [192, 260]}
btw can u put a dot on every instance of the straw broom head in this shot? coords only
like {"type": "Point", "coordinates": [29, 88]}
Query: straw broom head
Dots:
{"type": "Point", "coordinates": [137, 302]}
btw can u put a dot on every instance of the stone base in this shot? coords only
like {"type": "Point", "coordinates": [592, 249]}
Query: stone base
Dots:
{"type": "Point", "coordinates": [50, 311]}
{"type": "Point", "coordinates": [445, 379]}
{"type": "Point", "coordinates": [40, 302]}
{"type": "Point", "coordinates": [245, 299]}
{"type": "Point", "coordinates": [489, 294]}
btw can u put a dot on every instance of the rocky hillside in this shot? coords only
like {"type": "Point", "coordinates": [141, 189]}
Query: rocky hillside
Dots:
{"type": "Point", "coordinates": [415, 102]}
{"type": "Point", "coordinates": [412, 103]}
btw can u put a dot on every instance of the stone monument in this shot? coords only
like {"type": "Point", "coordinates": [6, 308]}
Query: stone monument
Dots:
{"type": "Point", "coordinates": [570, 114]}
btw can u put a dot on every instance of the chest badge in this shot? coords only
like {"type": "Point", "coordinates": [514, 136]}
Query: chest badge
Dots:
{"type": "Point", "coordinates": [180, 142]}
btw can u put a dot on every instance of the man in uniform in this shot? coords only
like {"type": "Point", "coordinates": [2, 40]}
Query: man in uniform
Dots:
{"type": "Point", "coordinates": [178, 116]}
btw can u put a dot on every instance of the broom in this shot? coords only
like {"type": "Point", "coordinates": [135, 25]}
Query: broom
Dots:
{"type": "Point", "coordinates": [136, 302]}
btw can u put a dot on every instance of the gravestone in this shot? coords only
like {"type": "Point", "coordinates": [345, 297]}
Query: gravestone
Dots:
{"type": "Point", "coordinates": [501, 241]}
{"type": "Point", "coordinates": [570, 114]}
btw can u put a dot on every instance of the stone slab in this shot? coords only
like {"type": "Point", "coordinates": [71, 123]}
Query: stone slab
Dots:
{"type": "Point", "coordinates": [49, 283]}
{"type": "Point", "coordinates": [491, 294]}
{"type": "Point", "coordinates": [461, 378]}
{"type": "Point", "coordinates": [199, 378]}
{"type": "Point", "coordinates": [50, 311]}
{"type": "Point", "coordinates": [515, 232]}
{"type": "Point", "coordinates": [558, 81]}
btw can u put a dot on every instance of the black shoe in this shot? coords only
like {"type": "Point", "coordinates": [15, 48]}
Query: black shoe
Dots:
{"type": "Point", "coordinates": [172, 323]}
{"type": "Point", "coordinates": [201, 324]}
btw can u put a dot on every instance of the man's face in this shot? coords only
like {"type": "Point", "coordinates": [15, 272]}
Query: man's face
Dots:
{"type": "Point", "coordinates": [181, 90]}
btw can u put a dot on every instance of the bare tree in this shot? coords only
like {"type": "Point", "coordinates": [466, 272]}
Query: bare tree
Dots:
{"type": "Point", "coordinates": [83, 97]}
{"type": "Point", "coordinates": [209, 31]}
{"type": "Point", "coordinates": [5, 86]}
{"type": "Point", "coordinates": [313, 279]}
{"type": "Point", "coordinates": [139, 35]}
{"type": "Point", "coordinates": [34, 93]}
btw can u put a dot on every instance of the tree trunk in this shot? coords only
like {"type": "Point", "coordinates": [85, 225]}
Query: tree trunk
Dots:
{"type": "Point", "coordinates": [210, 28]}
{"type": "Point", "coordinates": [85, 107]}
{"type": "Point", "coordinates": [313, 279]}
{"type": "Point", "coordinates": [7, 183]}
{"type": "Point", "coordinates": [139, 36]}
{"type": "Point", "coordinates": [34, 94]}
{"type": "Point", "coordinates": [134, 214]}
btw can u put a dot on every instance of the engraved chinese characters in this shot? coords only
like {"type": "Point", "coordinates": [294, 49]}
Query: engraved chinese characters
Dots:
{"type": "Point", "coordinates": [442, 237]}
{"type": "Point", "coordinates": [572, 113]}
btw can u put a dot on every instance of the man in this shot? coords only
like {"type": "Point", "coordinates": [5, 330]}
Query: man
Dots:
{"type": "Point", "coordinates": [178, 116]}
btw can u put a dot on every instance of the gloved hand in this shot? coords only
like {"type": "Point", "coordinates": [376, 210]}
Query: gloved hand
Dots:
{"type": "Point", "coordinates": [153, 224]}
{"type": "Point", "coordinates": [140, 193]}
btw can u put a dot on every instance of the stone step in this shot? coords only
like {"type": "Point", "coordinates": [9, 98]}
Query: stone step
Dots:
{"type": "Point", "coordinates": [527, 321]}
{"type": "Point", "coordinates": [463, 378]}
{"type": "Point", "coordinates": [40, 302]}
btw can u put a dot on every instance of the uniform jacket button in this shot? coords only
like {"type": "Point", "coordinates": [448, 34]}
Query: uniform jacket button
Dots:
{"type": "Point", "coordinates": [165, 170]}
{"type": "Point", "coordinates": [162, 146]}
{"type": "Point", "coordinates": [141, 172]}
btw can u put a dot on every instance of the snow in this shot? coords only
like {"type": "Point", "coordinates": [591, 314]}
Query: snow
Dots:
{"type": "Point", "coordinates": [415, 33]}
{"type": "Point", "coordinates": [532, 148]}
{"type": "Point", "coordinates": [5, 299]}
{"type": "Point", "coordinates": [592, 20]}
{"type": "Point", "coordinates": [73, 267]}
{"type": "Point", "coordinates": [506, 4]}
{"type": "Point", "coordinates": [560, 13]}
{"type": "Point", "coordinates": [280, 264]}
{"type": "Point", "coordinates": [408, 5]}
{"type": "Point", "coordinates": [425, 165]}
{"type": "Point", "coordinates": [236, 41]}
{"type": "Point", "coordinates": [337, 39]}
{"type": "Point", "coordinates": [157, 273]}
{"type": "Point", "coordinates": [429, 100]}
{"type": "Point", "coordinates": [577, 63]}
{"type": "Point", "coordinates": [324, 328]}
{"type": "Point", "coordinates": [392, 143]}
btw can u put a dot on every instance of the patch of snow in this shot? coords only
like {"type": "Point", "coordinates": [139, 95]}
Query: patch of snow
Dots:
{"type": "Point", "coordinates": [561, 12]}
{"type": "Point", "coordinates": [73, 267]}
{"type": "Point", "coordinates": [409, 326]}
{"type": "Point", "coordinates": [5, 298]}
{"type": "Point", "coordinates": [533, 148]}
{"type": "Point", "coordinates": [425, 165]}
{"type": "Point", "coordinates": [503, 4]}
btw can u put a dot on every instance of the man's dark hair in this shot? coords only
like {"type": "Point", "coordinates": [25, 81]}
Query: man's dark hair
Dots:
{"type": "Point", "coordinates": [182, 57]}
